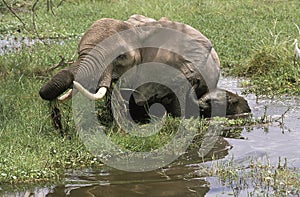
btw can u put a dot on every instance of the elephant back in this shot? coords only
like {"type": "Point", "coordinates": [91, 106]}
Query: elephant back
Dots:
{"type": "Point", "coordinates": [194, 55]}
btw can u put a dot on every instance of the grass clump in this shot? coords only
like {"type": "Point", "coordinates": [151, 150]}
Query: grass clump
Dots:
{"type": "Point", "coordinates": [31, 150]}
{"type": "Point", "coordinates": [271, 70]}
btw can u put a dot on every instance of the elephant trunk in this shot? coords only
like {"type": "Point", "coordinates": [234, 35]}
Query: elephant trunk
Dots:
{"type": "Point", "coordinates": [57, 85]}
{"type": "Point", "coordinates": [106, 77]}
{"type": "Point", "coordinates": [104, 84]}
{"type": "Point", "coordinates": [199, 102]}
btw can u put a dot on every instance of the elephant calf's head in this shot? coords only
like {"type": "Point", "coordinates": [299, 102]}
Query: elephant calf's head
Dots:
{"type": "Point", "coordinates": [221, 102]}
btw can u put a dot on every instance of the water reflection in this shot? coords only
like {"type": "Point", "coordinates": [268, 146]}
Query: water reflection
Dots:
{"type": "Point", "coordinates": [137, 184]}
{"type": "Point", "coordinates": [178, 179]}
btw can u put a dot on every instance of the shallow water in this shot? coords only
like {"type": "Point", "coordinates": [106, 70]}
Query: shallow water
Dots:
{"type": "Point", "coordinates": [178, 179]}
{"type": "Point", "coordinates": [183, 178]}
{"type": "Point", "coordinates": [9, 44]}
{"type": "Point", "coordinates": [15, 44]}
{"type": "Point", "coordinates": [280, 139]}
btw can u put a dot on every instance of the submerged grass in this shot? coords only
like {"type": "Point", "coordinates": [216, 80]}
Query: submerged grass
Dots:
{"type": "Point", "coordinates": [257, 178]}
{"type": "Point", "coordinates": [253, 39]}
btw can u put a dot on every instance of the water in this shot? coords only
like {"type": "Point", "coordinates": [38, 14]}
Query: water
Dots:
{"type": "Point", "coordinates": [12, 44]}
{"type": "Point", "coordinates": [280, 139]}
{"type": "Point", "coordinates": [15, 44]}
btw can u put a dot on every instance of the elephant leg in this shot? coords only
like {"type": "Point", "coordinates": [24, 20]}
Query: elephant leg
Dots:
{"type": "Point", "coordinates": [172, 105]}
{"type": "Point", "coordinates": [139, 114]}
{"type": "Point", "coordinates": [143, 114]}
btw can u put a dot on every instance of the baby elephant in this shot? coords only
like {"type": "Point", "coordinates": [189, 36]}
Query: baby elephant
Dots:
{"type": "Point", "coordinates": [220, 102]}
{"type": "Point", "coordinates": [217, 102]}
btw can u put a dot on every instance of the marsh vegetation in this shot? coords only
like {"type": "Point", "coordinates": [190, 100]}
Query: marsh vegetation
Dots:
{"type": "Point", "coordinates": [253, 40]}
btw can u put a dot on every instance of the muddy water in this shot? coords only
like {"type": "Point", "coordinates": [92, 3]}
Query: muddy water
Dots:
{"type": "Point", "coordinates": [182, 178]}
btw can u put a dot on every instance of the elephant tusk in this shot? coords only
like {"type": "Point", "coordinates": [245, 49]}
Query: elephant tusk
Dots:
{"type": "Point", "coordinates": [66, 96]}
{"type": "Point", "coordinates": [99, 95]}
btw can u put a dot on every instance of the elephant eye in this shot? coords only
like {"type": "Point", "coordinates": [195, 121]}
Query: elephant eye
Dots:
{"type": "Point", "coordinates": [121, 57]}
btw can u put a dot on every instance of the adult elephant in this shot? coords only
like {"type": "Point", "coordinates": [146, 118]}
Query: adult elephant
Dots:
{"type": "Point", "coordinates": [147, 41]}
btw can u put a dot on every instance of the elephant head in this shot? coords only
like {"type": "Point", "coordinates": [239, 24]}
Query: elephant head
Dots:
{"type": "Point", "coordinates": [98, 32]}
{"type": "Point", "coordinates": [221, 102]}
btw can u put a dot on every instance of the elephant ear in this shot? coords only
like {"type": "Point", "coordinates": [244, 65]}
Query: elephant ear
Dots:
{"type": "Point", "coordinates": [199, 58]}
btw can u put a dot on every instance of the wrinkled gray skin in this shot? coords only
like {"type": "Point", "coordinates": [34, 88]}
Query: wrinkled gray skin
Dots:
{"type": "Point", "coordinates": [150, 93]}
{"type": "Point", "coordinates": [99, 31]}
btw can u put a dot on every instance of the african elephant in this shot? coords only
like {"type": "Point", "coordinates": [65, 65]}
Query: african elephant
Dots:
{"type": "Point", "coordinates": [199, 65]}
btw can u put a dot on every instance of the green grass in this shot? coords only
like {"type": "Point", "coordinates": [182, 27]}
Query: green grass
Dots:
{"type": "Point", "coordinates": [248, 35]}
{"type": "Point", "coordinates": [30, 149]}
{"type": "Point", "coordinates": [243, 33]}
